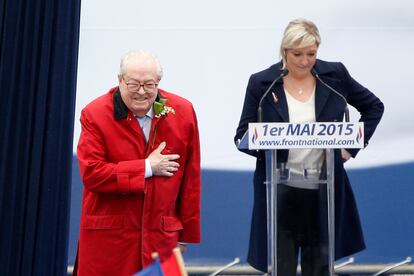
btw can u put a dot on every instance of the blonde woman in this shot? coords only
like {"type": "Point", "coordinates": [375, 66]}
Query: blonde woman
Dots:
{"type": "Point", "coordinates": [301, 97]}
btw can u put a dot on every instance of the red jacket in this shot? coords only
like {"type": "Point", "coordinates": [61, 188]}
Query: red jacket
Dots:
{"type": "Point", "coordinates": [126, 217]}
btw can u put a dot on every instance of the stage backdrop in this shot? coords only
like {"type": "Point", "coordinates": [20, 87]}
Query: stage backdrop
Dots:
{"type": "Point", "coordinates": [210, 48]}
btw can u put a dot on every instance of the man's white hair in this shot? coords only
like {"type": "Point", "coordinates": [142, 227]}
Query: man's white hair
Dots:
{"type": "Point", "coordinates": [140, 54]}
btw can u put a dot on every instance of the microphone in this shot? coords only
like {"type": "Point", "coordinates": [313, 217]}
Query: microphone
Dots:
{"type": "Point", "coordinates": [346, 110]}
{"type": "Point", "coordinates": [259, 109]}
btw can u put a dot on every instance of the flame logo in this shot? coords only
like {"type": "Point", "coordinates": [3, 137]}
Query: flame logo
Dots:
{"type": "Point", "coordinates": [255, 136]}
{"type": "Point", "coordinates": [359, 135]}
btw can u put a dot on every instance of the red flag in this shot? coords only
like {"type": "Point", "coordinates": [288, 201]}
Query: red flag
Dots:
{"type": "Point", "coordinates": [174, 265]}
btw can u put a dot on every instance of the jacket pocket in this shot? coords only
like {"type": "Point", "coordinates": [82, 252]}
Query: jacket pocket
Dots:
{"type": "Point", "coordinates": [171, 224]}
{"type": "Point", "coordinates": [103, 222]}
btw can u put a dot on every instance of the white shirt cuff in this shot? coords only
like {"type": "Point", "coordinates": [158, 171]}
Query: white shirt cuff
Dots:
{"type": "Point", "coordinates": [148, 170]}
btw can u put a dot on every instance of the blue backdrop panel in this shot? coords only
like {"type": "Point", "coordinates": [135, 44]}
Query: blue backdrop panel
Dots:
{"type": "Point", "coordinates": [384, 197]}
{"type": "Point", "coordinates": [385, 200]}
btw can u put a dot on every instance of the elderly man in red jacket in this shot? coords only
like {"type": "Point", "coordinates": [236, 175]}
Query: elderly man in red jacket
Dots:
{"type": "Point", "coordinates": [139, 157]}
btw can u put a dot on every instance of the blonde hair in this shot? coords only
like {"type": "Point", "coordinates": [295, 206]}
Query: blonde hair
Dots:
{"type": "Point", "coordinates": [299, 33]}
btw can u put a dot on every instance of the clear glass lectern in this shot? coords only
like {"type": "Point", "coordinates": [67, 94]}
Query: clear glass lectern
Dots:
{"type": "Point", "coordinates": [316, 180]}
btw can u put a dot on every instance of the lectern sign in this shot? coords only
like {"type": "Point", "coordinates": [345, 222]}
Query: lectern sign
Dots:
{"type": "Point", "coordinates": [306, 135]}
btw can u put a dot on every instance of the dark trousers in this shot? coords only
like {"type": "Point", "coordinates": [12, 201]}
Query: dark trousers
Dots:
{"type": "Point", "coordinates": [301, 232]}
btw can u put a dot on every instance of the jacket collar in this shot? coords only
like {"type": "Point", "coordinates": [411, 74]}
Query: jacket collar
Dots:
{"type": "Point", "coordinates": [322, 92]}
{"type": "Point", "coordinates": [322, 67]}
{"type": "Point", "coordinates": [272, 72]}
{"type": "Point", "coordinates": [276, 96]}
{"type": "Point", "coordinates": [120, 108]}
{"type": "Point", "coordinates": [324, 70]}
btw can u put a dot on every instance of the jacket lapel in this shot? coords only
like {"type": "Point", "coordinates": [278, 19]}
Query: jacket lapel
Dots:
{"type": "Point", "coordinates": [321, 97]}
{"type": "Point", "coordinates": [276, 98]}
{"type": "Point", "coordinates": [154, 128]}
{"type": "Point", "coordinates": [153, 134]}
{"type": "Point", "coordinates": [278, 101]}
{"type": "Point", "coordinates": [322, 93]}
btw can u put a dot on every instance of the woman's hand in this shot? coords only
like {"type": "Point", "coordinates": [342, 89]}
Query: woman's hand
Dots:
{"type": "Point", "coordinates": [345, 155]}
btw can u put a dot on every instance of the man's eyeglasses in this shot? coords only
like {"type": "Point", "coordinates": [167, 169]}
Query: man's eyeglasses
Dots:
{"type": "Point", "coordinates": [135, 87]}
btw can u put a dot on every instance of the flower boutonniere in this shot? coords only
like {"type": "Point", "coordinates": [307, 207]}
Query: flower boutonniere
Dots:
{"type": "Point", "coordinates": [160, 109]}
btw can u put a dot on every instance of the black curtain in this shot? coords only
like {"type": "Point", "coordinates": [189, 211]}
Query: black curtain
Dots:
{"type": "Point", "coordinates": [38, 66]}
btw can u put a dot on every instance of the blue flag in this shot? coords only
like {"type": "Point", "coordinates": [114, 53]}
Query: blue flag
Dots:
{"type": "Point", "coordinates": [153, 270]}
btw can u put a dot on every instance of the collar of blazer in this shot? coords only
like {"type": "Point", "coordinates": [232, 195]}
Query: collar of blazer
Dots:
{"type": "Point", "coordinates": [324, 70]}
{"type": "Point", "coordinates": [120, 108]}
{"type": "Point", "coordinates": [332, 74]}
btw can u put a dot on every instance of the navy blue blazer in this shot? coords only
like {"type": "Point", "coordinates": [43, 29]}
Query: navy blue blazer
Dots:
{"type": "Point", "coordinates": [329, 107]}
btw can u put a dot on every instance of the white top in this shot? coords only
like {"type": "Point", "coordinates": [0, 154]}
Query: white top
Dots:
{"type": "Point", "coordinates": [300, 159]}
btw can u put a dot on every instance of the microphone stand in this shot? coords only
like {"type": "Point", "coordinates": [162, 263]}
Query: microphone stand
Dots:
{"type": "Point", "coordinates": [259, 109]}
{"type": "Point", "coordinates": [407, 260]}
{"type": "Point", "coordinates": [346, 110]}
{"type": "Point", "coordinates": [236, 261]}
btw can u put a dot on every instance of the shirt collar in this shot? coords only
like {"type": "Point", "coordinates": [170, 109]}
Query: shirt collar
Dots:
{"type": "Point", "coordinates": [150, 113]}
